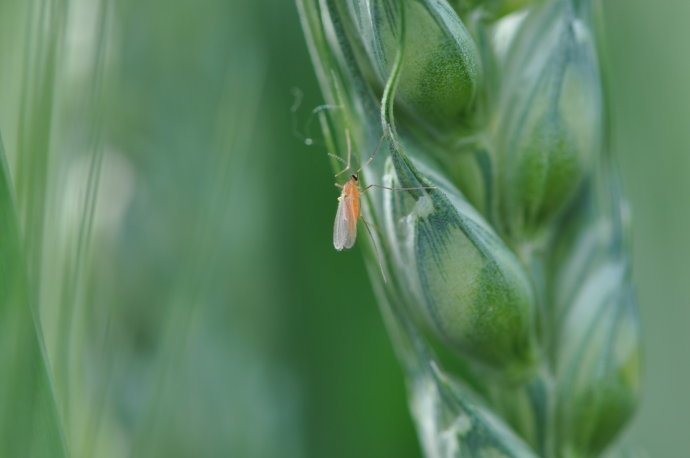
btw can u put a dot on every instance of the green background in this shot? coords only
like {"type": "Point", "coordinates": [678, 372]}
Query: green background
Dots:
{"type": "Point", "coordinates": [218, 291]}
{"type": "Point", "coordinates": [649, 82]}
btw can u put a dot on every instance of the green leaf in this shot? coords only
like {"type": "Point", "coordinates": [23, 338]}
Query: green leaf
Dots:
{"type": "Point", "coordinates": [29, 421]}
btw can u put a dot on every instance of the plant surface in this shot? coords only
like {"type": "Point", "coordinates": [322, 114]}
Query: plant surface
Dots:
{"type": "Point", "coordinates": [508, 293]}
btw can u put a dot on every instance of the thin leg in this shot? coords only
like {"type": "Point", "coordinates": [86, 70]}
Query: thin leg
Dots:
{"type": "Point", "coordinates": [378, 229]}
{"type": "Point", "coordinates": [338, 185]}
{"type": "Point", "coordinates": [336, 157]}
{"type": "Point", "coordinates": [395, 189]}
{"type": "Point", "coordinates": [349, 153]}
{"type": "Point", "coordinates": [376, 150]}
{"type": "Point", "coordinates": [376, 249]}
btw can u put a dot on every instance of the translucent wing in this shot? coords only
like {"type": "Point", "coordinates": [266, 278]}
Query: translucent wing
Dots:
{"type": "Point", "coordinates": [345, 227]}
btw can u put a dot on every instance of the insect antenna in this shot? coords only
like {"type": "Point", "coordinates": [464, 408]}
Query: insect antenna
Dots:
{"type": "Point", "coordinates": [309, 140]}
{"type": "Point", "coordinates": [305, 136]}
{"type": "Point", "coordinates": [297, 95]}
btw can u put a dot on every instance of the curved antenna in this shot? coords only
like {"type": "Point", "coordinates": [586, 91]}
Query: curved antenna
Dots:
{"type": "Point", "coordinates": [305, 136]}
{"type": "Point", "coordinates": [308, 139]}
{"type": "Point", "coordinates": [297, 95]}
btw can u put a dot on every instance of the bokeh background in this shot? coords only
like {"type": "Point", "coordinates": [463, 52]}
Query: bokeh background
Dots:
{"type": "Point", "coordinates": [209, 314]}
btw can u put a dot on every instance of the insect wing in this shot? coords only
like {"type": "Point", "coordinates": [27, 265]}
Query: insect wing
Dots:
{"type": "Point", "coordinates": [345, 227]}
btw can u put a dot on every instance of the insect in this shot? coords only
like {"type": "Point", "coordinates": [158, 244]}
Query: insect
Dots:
{"type": "Point", "coordinates": [345, 227]}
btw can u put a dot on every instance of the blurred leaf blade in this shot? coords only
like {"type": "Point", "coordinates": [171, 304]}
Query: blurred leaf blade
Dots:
{"type": "Point", "coordinates": [44, 39]}
{"type": "Point", "coordinates": [30, 424]}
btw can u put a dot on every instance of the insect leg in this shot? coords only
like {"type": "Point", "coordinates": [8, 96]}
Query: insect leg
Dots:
{"type": "Point", "coordinates": [336, 157]}
{"type": "Point", "coordinates": [395, 189]}
{"type": "Point", "coordinates": [376, 150]}
{"type": "Point", "coordinates": [376, 249]}
{"type": "Point", "coordinates": [349, 153]}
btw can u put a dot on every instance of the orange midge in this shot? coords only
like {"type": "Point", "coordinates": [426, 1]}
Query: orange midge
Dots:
{"type": "Point", "coordinates": [345, 227]}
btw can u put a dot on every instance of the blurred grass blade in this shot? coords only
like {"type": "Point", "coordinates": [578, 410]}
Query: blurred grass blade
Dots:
{"type": "Point", "coordinates": [73, 275]}
{"type": "Point", "coordinates": [29, 421]}
{"type": "Point", "coordinates": [45, 35]}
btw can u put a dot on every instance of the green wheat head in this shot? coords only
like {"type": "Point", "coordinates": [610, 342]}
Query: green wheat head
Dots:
{"type": "Point", "coordinates": [509, 294]}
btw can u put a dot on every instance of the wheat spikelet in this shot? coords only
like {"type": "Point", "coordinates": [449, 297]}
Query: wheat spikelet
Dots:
{"type": "Point", "coordinates": [509, 297]}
